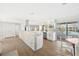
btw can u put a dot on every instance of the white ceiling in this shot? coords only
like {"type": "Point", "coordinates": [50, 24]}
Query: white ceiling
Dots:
{"type": "Point", "coordinates": [38, 11]}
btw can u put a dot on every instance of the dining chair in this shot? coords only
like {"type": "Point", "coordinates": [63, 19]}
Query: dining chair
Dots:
{"type": "Point", "coordinates": [66, 46]}
{"type": "Point", "coordinates": [77, 45]}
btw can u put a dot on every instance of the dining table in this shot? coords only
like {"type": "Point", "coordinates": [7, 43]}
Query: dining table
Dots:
{"type": "Point", "coordinates": [74, 42]}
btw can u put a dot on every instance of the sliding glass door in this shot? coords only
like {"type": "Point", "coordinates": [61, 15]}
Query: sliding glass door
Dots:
{"type": "Point", "coordinates": [73, 29]}
{"type": "Point", "coordinates": [69, 28]}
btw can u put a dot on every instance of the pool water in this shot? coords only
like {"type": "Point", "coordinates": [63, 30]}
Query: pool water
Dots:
{"type": "Point", "coordinates": [72, 33]}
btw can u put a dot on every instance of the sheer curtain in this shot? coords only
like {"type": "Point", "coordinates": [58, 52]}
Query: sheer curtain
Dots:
{"type": "Point", "coordinates": [8, 29]}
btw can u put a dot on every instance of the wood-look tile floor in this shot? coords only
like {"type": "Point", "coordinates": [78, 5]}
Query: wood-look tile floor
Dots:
{"type": "Point", "coordinates": [49, 48]}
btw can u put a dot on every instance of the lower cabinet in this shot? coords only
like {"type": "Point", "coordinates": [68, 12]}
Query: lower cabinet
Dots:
{"type": "Point", "coordinates": [33, 39]}
{"type": "Point", "coordinates": [51, 36]}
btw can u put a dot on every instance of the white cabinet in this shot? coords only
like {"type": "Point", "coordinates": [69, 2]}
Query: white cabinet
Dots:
{"type": "Point", "coordinates": [51, 36]}
{"type": "Point", "coordinates": [39, 40]}
{"type": "Point", "coordinates": [33, 39]}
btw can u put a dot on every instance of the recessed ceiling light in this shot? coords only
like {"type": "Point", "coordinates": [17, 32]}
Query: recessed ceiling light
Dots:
{"type": "Point", "coordinates": [64, 3]}
{"type": "Point", "coordinates": [32, 13]}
